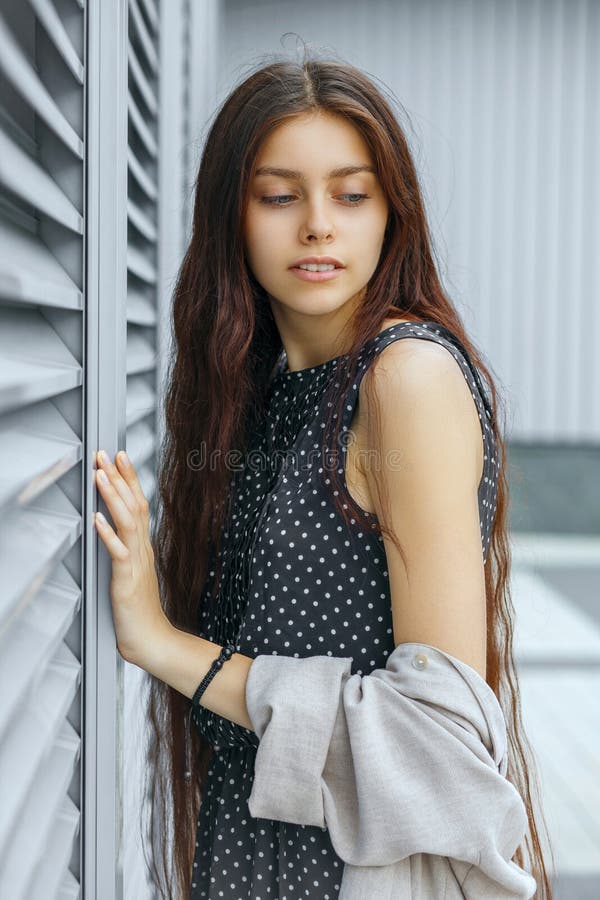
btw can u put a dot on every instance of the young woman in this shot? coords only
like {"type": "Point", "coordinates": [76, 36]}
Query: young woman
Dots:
{"type": "Point", "coordinates": [333, 509]}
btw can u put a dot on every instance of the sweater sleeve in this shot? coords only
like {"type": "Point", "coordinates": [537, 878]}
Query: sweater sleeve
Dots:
{"type": "Point", "coordinates": [407, 759]}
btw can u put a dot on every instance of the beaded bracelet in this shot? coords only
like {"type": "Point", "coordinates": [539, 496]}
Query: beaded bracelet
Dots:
{"type": "Point", "coordinates": [225, 654]}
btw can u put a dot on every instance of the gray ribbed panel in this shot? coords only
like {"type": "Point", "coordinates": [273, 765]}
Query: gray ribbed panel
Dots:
{"type": "Point", "coordinates": [142, 238]}
{"type": "Point", "coordinates": [502, 96]}
{"type": "Point", "coordinates": [42, 171]}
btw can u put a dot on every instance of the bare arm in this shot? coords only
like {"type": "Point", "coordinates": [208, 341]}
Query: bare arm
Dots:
{"type": "Point", "coordinates": [429, 418]}
{"type": "Point", "coordinates": [145, 636]}
{"type": "Point", "coordinates": [182, 660]}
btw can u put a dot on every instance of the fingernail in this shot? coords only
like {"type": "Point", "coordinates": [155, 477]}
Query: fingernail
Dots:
{"type": "Point", "coordinates": [102, 476]}
{"type": "Point", "coordinates": [124, 458]}
{"type": "Point", "coordinates": [103, 456]}
{"type": "Point", "coordinates": [100, 518]}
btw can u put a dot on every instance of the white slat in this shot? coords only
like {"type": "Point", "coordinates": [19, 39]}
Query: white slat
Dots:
{"type": "Point", "coordinates": [141, 356]}
{"type": "Point", "coordinates": [141, 220]}
{"type": "Point", "coordinates": [141, 399]}
{"type": "Point", "coordinates": [151, 13]}
{"type": "Point", "coordinates": [140, 442]}
{"type": "Point", "coordinates": [140, 33]}
{"type": "Point", "coordinates": [34, 638]}
{"type": "Point", "coordinates": [138, 264]}
{"type": "Point", "coordinates": [27, 745]}
{"type": "Point", "coordinates": [37, 447]}
{"type": "Point", "coordinates": [30, 273]}
{"type": "Point", "coordinates": [34, 362]}
{"type": "Point", "coordinates": [141, 82]}
{"type": "Point", "coordinates": [35, 827]}
{"type": "Point", "coordinates": [140, 310]}
{"type": "Point", "coordinates": [70, 889]}
{"type": "Point", "coordinates": [142, 178]}
{"type": "Point", "coordinates": [57, 33]}
{"type": "Point", "coordinates": [19, 71]}
{"type": "Point", "coordinates": [33, 541]}
{"type": "Point", "coordinates": [50, 874]}
{"type": "Point", "coordinates": [28, 180]}
{"type": "Point", "coordinates": [138, 122]}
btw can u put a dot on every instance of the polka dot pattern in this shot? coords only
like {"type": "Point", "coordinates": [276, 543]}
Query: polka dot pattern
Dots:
{"type": "Point", "coordinates": [298, 582]}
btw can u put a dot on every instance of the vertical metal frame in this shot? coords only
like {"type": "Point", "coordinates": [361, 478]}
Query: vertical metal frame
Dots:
{"type": "Point", "coordinates": [106, 331]}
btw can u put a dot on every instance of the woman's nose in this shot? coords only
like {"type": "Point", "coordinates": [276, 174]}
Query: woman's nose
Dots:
{"type": "Point", "coordinates": [318, 223]}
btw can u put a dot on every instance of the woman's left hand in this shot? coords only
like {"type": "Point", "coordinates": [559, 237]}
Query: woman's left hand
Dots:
{"type": "Point", "coordinates": [139, 620]}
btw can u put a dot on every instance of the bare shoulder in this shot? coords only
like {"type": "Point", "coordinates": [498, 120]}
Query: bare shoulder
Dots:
{"type": "Point", "coordinates": [419, 365]}
{"type": "Point", "coordinates": [418, 383]}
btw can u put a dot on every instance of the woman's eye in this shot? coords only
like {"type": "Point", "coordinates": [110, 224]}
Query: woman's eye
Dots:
{"type": "Point", "coordinates": [281, 199]}
{"type": "Point", "coordinates": [274, 201]}
{"type": "Point", "coordinates": [356, 202]}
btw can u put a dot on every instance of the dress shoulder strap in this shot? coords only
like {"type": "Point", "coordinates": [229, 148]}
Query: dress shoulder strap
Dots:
{"type": "Point", "coordinates": [430, 331]}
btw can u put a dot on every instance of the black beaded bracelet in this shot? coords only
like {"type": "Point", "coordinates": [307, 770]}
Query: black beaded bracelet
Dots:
{"type": "Point", "coordinates": [225, 654]}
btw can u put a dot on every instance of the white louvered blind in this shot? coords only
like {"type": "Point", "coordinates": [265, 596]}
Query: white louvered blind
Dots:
{"type": "Point", "coordinates": [42, 163]}
{"type": "Point", "coordinates": [142, 230]}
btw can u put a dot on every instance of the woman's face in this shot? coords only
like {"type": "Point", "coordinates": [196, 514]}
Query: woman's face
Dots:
{"type": "Point", "coordinates": [309, 209]}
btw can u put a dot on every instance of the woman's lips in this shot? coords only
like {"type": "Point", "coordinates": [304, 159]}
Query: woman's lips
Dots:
{"type": "Point", "coordinates": [306, 275]}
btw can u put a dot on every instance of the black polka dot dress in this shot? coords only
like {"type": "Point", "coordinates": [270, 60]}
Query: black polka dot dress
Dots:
{"type": "Point", "coordinates": [298, 582]}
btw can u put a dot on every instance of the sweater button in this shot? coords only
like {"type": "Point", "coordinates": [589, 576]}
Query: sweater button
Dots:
{"type": "Point", "coordinates": [420, 661]}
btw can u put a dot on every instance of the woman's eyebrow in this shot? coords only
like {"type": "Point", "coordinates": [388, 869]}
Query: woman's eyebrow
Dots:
{"type": "Point", "coordinates": [339, 172]}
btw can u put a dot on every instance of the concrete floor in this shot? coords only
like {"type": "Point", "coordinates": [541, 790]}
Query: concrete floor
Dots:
{"type": "Point", "coordinates": [556, 593]}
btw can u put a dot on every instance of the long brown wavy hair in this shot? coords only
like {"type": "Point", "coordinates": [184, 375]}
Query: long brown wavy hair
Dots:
{"type": "Point", "coordinates": [226, 346]}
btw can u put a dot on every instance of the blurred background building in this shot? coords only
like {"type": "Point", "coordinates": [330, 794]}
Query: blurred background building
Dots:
{"type": "Point", "coordinates": [104, 107]}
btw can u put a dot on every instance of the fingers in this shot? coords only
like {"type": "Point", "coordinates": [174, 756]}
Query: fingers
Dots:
{"type": "Point", "coordinates": [121, 515]}
{"type": "Point", "coordinates": [122, 505]}
{"type": "Point", "coordinates": [125, 481]}
{"type": "Point", "coordinates": [116, 548]}
{"type": "Point", "coordinates": [116, 480]}
{"type": "Point", "coordinates": [129, 474]}
{"type": "Point", "coordinates": [124, 497]}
